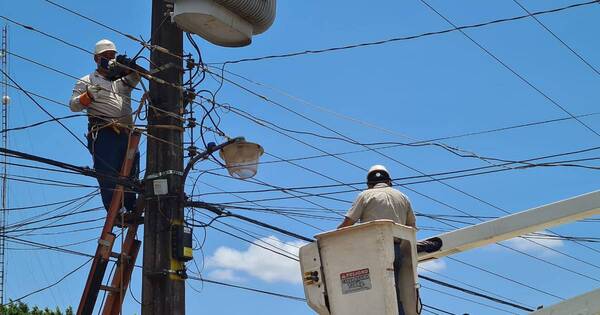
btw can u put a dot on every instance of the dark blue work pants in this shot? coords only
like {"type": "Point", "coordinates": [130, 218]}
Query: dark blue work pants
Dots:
{"type": "Point", "coordinates": [108, 149]}
{"type": "Point", "coordinates": [398, 256]}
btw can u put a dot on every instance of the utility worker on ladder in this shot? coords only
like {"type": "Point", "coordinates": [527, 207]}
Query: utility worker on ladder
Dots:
{"type": "Point", "coordinates": [381, 201]}
{"type": "Point", "coordinates": [105, 95]}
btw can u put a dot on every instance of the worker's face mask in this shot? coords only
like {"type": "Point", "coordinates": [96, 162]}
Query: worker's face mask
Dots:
{"type": "Point", "coordinates": [104, 63]}
{"type": "Point", "coordinates": [113, 70]}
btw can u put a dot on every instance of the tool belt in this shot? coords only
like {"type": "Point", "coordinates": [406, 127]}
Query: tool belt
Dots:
{"type": "Point", "coordinates": [96, 124]}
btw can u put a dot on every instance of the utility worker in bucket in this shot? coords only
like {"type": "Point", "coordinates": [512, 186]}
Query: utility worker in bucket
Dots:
{"type": "Point", "coordinates": [380, 201]}
{"type": "Point", "coordinates": [105, 95]}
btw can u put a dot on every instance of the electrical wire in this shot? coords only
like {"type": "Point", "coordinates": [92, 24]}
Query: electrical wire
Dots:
{"type": "Point", "coordinates": [411, 37]}
{"type": "Point", "coordinates": [48, 286]}
{"type": "Point", "coordinates": [290, 297]}
{"type": "Point", "coordinates": [401, 163]}
{"type": "Point", "coordinates": [141, 42]}
{"type": "Point", "coordinates": [512, 70]}
{"type": "Point", "coordinates": [469, 300]}
{"type": "Point", "coordinates": [470, 292]}
{"type": "Point", "coordinates": [576, 54]}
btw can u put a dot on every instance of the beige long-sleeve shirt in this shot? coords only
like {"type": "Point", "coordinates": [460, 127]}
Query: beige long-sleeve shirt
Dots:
{"type": "Point", "coordinates": [382, 202]}
{"type": "Point", "coordinates": [112, 101]}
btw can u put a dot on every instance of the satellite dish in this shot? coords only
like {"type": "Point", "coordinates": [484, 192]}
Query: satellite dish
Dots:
{"type": "Point", "coordinates": [5, 100]}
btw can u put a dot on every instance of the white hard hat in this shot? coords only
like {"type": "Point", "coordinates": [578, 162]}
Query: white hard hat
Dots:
{"type": "Point", "coordinates": [378, 173]}
{"type": "Point", "coordinates": [377, 167]}
{"type": "Point", "coordinates": [104, 45]}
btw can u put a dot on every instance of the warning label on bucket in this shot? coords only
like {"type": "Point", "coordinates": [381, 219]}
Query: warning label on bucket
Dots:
{"type": "Point", "coordinates": [355, 281]}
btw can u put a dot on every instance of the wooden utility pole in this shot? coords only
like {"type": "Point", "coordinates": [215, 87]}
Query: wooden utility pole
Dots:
{"type": "Point", "coordinates": [163, 291]}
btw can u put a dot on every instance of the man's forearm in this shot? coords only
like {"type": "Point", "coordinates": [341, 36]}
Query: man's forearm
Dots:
{"type": "Point", "coordinates": [347, 222]}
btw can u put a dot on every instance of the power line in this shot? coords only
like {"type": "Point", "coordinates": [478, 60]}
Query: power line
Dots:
{"type": "Point", "coordinates": [291, 297]}
{"type": "Point", "coordinates": [86, 171]}
{"type": "Point", "coordinates": [523, 284]}
{"type": "Point", "coordinates": [472, 286]}
{"type": "Point", "coordinates": [261, 123]}
{"type": "Point", "coordinates": [43, 109]}
{"type": "Point", "coordinates": [223, 213]}
{"type": "Point", "coordinates": [587, 63]}
{"type": "Point", "coordinates": [141, 42]}
{"type": "Point", "coordinates": [389, 157]}
{"type": "Point", "coordinates": [379, 128]}
{"type": "Point", "coordinates": [469, 300]}
{"type": "Point", "coordinates": [146, 75]}
{"type": "Point", "coordinates": [526, 161]}
{"type": "Point", "coordinates": [484, 296]}
{"type": "Point", "coordinates": [505, 65]}
{"type": "Point", "coordinates": [50, 285]}
{"type": "Point", "coordinates": [437, 309]}
{"type": "Point", "coordinates": [411, 37]}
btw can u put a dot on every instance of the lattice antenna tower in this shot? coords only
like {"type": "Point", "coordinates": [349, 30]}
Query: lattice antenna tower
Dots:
{"type": "Point", "coordinates": [4, 212]}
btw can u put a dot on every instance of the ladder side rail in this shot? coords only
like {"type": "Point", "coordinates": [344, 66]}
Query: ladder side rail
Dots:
{"type": "Point", "coordinates": [107, 238]}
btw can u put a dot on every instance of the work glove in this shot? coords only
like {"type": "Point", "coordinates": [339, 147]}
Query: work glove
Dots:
{"type": "Point", "coordinates": [93, 91]}
{"type": "Point", "coordinates": [90, 94]}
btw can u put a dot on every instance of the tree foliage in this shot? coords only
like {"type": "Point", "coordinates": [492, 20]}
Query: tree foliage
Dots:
{"type": "Point", "coordinates": [20, 308]}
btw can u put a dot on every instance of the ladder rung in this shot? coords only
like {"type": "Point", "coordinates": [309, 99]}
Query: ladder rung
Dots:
{"type": "Point", "coordinates": [109, 288]}
{"type": "Point", "coordinates": [120, 255]}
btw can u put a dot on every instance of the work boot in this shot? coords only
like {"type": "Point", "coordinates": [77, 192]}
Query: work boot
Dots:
{"type": "Point", "coordinates": [118, 222]}
{"type": "Point", "coordinates": [133, 219]}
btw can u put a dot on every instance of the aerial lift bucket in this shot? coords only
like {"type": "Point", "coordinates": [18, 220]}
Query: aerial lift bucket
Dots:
{"type": "Point", "coordinates": [367, 268]}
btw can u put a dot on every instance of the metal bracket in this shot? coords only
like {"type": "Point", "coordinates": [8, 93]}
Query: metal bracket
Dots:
{"type": "Point", "coordinates": [163, 67]}
{"type": "Point", "coordinates": [165, 173]}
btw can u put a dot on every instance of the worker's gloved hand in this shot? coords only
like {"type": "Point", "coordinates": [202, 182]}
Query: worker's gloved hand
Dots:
{"type": "Point", "coordinates": [430, 245]}
{"type": "Point", "coordinates": [91, 92]}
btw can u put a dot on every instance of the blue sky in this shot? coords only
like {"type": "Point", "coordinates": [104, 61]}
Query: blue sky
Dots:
{"type": "Point", "coordinates": [426, 88]}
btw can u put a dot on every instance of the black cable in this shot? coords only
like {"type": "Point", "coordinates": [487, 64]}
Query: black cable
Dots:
{"type": "Point", "coordinates": [546, 96]}
{"type": "Point", "coordinates": [506, 278]}
{"type": "Point", "coordinates": [527, 161]}
{"type": "Point", "coordinates": [143, 43]}
{"type": "Point", "coordinates": [218, 211]}
{"type": "Point", "coordinates": [291, 297]}
{"type": "Point", "coordinates": [48, 286]}
{"type": "Point", "coordinates": [253, 243]}
{"type": "Point", "coordinates": [438, 309]}
{"type": "Point", "coordinates": [474, 133]}
{"type": "Point", "coordinates": [86, 171]}
{"type": "Point", "coordinates": [42, 108]}
{"type": "Point", "coordinates": [257, 237]}
{"type": "Point", "coordinates": [484, 296]}
{"type": "Point", "coordinates": [37, 167]}
{"type": "Point", "coordinates": [558, 38]}
{"type": "Point", "coordinates": [43, 205]}
{"type": "Point", "coordinates": [396, 39]}
{"type": "Point", "coordinates": [469, 300]}
{"type": "Point", "coordinates": [40, 123]}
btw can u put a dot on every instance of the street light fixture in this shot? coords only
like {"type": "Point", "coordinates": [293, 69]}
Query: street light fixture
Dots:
{"type": "Point", "coordinates": [241, 158]}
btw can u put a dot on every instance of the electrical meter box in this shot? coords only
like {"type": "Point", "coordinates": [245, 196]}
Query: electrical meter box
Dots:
{"type": "Point", "coordinates": [367, 268]}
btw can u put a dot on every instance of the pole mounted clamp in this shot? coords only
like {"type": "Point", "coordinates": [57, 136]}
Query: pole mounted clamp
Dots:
{"type": "Point", "coordinates": [164, 173]}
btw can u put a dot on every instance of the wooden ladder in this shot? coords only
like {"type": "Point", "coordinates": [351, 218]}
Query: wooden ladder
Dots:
{"type": "Point", "coordinates": [129, 250]}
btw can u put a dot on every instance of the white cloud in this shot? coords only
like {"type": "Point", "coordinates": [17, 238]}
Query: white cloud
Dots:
{"type": "Point", "coordinates": [225, 275]}
{"type": "Point", "coordinates": [258, 262]}
{"type": "Point", "coordinates": [530, 246]}
{"type": "Point", "coordinates": [435, 265]}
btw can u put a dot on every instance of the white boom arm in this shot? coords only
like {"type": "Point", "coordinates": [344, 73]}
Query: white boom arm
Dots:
{"type": "Point", "coordinates": [517, 224]}
{"type": "Point", "coordinates": [585, 304]}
